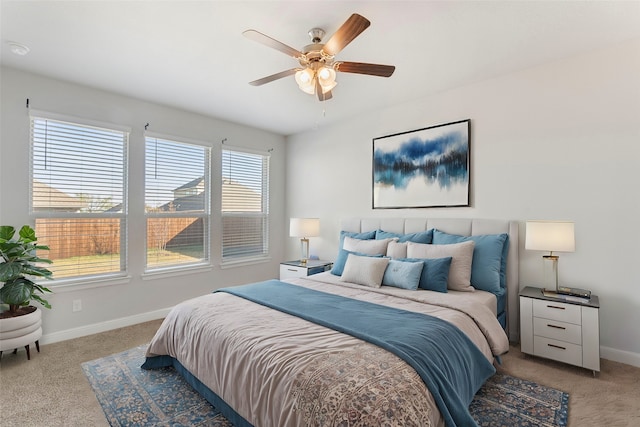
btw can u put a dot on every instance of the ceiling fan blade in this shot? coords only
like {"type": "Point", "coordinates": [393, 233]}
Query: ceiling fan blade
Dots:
{"type": "Point", "coordinates": [319, 90]}
{"type": "Point", "coordinates": [272, 43]}
{"type": "Point", "coordinates": [273, 77]}
{"type": "Point", "coordinates": [346, 33]}
{"type": "Point", "coordinates": [322, 96]}
{"type": "Point", "coordinates": [364, 68]}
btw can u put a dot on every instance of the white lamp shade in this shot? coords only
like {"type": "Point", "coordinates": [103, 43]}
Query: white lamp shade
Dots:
{"type": "Point", "coordinates": [304, 227]}
{"type": "Point", "coordinates": [553, 236]}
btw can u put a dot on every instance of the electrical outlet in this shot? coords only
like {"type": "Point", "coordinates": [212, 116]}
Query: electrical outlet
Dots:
{"type": "Point", "coordinates": [77, 305]}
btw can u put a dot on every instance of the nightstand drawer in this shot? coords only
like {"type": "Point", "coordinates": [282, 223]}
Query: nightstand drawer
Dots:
{"type": "Point", "coordinates": [291, 272]}
{"type": "Point", "coordinates": [295, 269]}
{"type": "Point", "coordinates": [562, 331]}
{"type": "Point", "coordinates": [558, 350]}
{"type": "Point", "coordinates": [562, 312]}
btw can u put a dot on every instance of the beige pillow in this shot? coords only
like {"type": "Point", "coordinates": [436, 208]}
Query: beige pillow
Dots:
{"type": "Point", "coordinates": [364, 270]}
{"type": "Point", "coordinates": [397, 250]}
{"type": "Point", "coordinates": [368, 247]}
{"type": "Point", "coordinates": [461, 258]}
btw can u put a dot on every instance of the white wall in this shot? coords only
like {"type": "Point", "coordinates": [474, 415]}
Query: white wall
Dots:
{"type": "Point", "coordinates": [559, 141]}
{"type": "Point", "coordinates": [138, 300]}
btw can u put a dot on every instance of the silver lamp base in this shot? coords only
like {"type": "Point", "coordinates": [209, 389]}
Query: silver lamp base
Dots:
{"type": "Point", "coordinates": [304, 249]}
{"type": "Point", "coordinates": [551, 271]}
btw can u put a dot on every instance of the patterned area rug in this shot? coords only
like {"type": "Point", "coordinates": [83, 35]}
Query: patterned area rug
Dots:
{"type": "Point", "coordinates": [131, 396]}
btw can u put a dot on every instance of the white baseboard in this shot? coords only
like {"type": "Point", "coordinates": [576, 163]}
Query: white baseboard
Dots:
{"type": "Point", "coordinates": [103, 326]}
{"type": "Point", "coordinates": [626, 357]}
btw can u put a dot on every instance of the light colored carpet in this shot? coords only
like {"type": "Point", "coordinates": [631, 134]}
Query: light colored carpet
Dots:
{"type": "Point", "coordinates": [51, 389]}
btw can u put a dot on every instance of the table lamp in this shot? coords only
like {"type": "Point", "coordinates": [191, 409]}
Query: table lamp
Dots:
{"type": "Point", "coordinates": [304, 228]}
{"type": "Point", "coordinates": [552, 236]}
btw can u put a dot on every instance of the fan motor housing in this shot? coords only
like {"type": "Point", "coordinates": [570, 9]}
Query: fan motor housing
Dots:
{"type": "Point", "coordinates": [313, 51]}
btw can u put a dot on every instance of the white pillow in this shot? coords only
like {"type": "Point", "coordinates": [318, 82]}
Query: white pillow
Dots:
{"type": "Point", "coordinates": [397, 250]}
{"type": "Point", "coordinates": [364, 270]}
{"type": "Point", "coordinates": [367, 247]}
{"type": "Point", "coordinates": [461, 258]}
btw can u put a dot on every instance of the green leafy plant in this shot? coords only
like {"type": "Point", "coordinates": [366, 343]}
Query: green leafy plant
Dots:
{"type": "Point", "coordinates": [18, 262]}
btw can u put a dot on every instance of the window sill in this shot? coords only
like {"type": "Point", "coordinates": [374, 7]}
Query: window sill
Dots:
{"type": "Point", "coordinates": [82, 283]}
{"type": "Point", "coordinates": [175, 271]}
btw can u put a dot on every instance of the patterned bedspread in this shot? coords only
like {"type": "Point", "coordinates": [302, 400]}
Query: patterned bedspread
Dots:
{"type": "Point", "coordinates": [275, 369]}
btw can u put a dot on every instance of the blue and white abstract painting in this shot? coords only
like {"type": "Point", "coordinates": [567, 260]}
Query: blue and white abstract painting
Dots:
{"type": "Point", "coordinates": [422, 168]}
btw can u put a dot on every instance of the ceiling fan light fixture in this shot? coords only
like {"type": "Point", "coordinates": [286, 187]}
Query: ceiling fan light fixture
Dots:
{"type": "Point", "coordinates": [328, 88]}
{"type": "Point", "coordinates": [325, 74]}
{"type": "Point", "coordinates": [310, 89]}
{"type": "Point", "coordinates": [327, 78]}
{"type": "Point", "coordinates": [305, 79]}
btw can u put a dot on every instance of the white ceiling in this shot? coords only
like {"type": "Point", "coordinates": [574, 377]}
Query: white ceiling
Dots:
{"type": "Point", "coordinates": [192, 55]}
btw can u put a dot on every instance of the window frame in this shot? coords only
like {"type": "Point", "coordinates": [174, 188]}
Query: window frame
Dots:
{"type": "Point", "coordinates": [88, 280]}
{"type": "Point", "coordinates": [206, 215]}
{"type": "Point", "coordinates": [265, 256]}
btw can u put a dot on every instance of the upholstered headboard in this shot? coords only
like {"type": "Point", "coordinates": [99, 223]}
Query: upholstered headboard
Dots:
{"type": "Point", "coordinates": [462, 227]}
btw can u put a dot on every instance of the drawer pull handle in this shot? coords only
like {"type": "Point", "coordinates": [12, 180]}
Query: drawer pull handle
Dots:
{"type": "Point", "coordinates": [556, 326]}
{"type": "Point", "coordinates": [555, 306]}
{"type": "Point", "coordinates": [291, 269]}
{"type": "Point", "coordinates": [556, 346]}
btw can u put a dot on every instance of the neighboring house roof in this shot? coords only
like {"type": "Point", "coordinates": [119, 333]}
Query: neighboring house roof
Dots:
{"type": "Point", "coordinates": [46, 197]}
{"type": "Point", "coordinates": [115, 208]}
{"type": "Point", "coordinates": [190, 184]}
{"type": "Point", "coordinates": [194, 202]}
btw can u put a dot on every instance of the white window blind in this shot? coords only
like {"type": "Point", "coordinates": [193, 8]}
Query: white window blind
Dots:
{"type": "Point", "coordinates": [78, 196]}
{"type": "Point", "coordinates": [176, 203]}
{"type": "Point", "coordinates": [245, 205]}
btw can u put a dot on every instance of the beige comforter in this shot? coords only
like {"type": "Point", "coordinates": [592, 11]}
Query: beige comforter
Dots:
{"type": "Point", "coordinates": [278, 370]}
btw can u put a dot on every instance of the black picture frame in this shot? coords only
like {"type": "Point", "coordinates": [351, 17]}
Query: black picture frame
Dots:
{"type": "Point", "coordinates": [423, 168]}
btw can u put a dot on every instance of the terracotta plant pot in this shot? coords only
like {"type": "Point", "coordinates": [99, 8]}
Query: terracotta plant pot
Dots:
{"type": "Point", "coordinates": [21, 331]}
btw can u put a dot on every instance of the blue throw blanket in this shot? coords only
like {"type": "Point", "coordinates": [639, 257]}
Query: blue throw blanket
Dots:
{"type": "Point", "coordinates": [450, 364]}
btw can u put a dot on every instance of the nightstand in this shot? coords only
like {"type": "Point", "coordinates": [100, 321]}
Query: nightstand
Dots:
{"type": "Point", "coordinates": [293, 269]}
{"type": "Point", "coordinates": [566, 330]}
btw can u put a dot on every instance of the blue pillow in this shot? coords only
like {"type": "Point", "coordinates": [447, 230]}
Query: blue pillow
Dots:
{"type": "Point", "coordinates": [341, 260]}
{"type": "Point", "coordinates": [367, 235]}
{"type": "Point", "coordinates": [419, 237]}
{"type": "Point", "coordinates": [403, 274]}
{"type": "Point", "coordinates": [488, 268]}
{"type": "Point", "coordinates": [435, 273]}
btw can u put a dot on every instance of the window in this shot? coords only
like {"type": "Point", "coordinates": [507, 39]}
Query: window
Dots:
{"type": "Point", "coordinates": [78, 196]}
{"type": "Point", "coordinates": [176, 203]}
{"type": "Point", "coordinates": [245, 205]}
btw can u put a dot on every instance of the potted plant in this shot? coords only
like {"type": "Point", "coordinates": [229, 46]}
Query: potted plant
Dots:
{"type": "Point", "coordinates": [20, 324]}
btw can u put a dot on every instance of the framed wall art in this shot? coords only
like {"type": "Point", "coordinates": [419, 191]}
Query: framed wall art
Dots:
{"type": "Point", "coordinates": [423, 168]}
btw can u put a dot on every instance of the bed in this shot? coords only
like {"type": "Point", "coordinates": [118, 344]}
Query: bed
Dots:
{"type": "Point", "coordinates": [331, 350]}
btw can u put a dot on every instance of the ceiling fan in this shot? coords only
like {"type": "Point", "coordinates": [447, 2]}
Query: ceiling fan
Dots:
{"type": "Point", "coordinates": [318, 67]}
